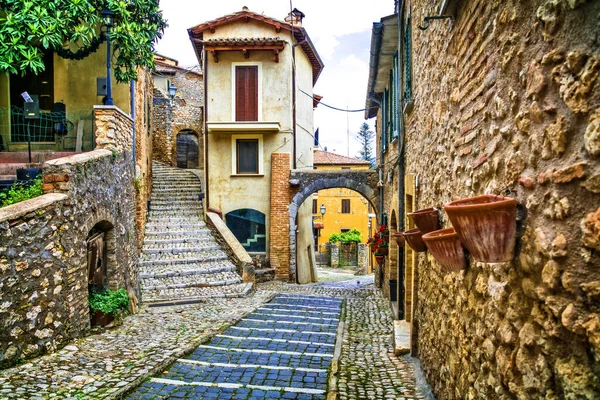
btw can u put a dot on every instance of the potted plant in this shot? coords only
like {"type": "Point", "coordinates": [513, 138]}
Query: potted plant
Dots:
{"type": "Point", "coordinates": [106, 305]}
{"type": "Point", "coordinates": [383, 247]}
{"type": "Point", "coordinates": [427, 219]}
{"type": "Point", "coordinates": [379, 257]}
{"type": "Point", "coordinates": [486, 225]}
{"type": "Point", "coordinates": [384, 233]}
{"type": "Point", "coordinates": [445, 246]}
{"type": "Point", "coordinates": [414, 239]}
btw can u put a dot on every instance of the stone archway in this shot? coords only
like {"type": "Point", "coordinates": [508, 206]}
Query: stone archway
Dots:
{"type": "Point", "coordinates": [306, 183]}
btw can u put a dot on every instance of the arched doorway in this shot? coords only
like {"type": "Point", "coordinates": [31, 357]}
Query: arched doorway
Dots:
{"type": "Point", "coordinates": [187, 149]}
{"type": "Point", "coordinates": [100, 254]}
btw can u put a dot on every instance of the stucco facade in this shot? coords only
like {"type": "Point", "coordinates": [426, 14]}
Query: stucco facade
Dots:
{"type": "Point", "coordinates": [278, 127]}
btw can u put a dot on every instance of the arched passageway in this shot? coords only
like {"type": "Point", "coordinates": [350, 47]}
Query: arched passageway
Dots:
{"type": "Point", "coordinates": [187, 149]}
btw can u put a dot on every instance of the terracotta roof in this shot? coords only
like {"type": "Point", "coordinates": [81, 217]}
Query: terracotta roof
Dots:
{"type": "Point", "coordinates": [169, 69]}
{"type": "Point", "coordinates": [266, 41]}
{"type": "Point", "coordinates": [325, 157]}
{"type": "Point", "coordinates": [316, 100]}
{"type": "Point", "coordinates": [196, 34]}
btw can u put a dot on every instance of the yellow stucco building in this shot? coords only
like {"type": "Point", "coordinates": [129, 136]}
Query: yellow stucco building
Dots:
{"type": "Point", "coordinates": [345, 209]}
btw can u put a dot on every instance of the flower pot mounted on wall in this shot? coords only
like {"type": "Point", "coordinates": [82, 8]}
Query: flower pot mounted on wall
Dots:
{"type": "Point", "coordinates": [399, 238]}
{"type": "Point", "coordinates": [486, 225]}
{"type": "Point", "coordinates": [446, 247]}
{"type": "Point", "coordinates": [379, 259]}
{"type": "Point", "coordinates": [414, 240]}
{"type": "Point", "coordinates": [427, 220]}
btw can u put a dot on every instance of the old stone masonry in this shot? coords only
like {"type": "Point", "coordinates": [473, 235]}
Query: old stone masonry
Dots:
{"type": "Point", "coordinates": [282, 350]}
{"type": "Point", "coordinates": [181, 260]}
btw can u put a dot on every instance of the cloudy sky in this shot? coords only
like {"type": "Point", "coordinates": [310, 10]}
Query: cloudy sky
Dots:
{"type": "Point", "coordinates": [340, 31]}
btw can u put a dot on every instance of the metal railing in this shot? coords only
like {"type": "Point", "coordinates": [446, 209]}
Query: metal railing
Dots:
{"type": "Point", "coordinates": [59, 131]}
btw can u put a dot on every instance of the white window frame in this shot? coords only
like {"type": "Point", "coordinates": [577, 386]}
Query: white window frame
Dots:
{"type": "Point", "coordinates": [234, 139]}
{"type": "Point", "coordinates": [246, 64]}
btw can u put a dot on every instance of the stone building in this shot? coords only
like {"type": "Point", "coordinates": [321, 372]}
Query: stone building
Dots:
{"type": "Point", "coordinates": [502, 98]}
{"type": "Point", "coordinates": [86, 228]}
{"type": "Point", "coordinates": [177, 123]}
{"type": "Point", "coordinates": [258, 127]}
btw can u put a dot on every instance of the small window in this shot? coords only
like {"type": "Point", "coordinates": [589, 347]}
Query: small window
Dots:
{"type": "Point", "coordinates": [345, 206]}
{"type": "Point", "coordinates": [344, 230]}
{"type": "Point", "coordinates": [247, 156]}
{"type": "Point", "coordinates": [314, 210]}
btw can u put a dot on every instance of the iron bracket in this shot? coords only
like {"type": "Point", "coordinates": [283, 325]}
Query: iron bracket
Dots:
{"type": "Point", "coordinates": [433, 17]}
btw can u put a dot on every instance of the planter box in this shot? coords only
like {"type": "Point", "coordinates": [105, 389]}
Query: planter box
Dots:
{"type": "Point", "coordinates": [427, 220]}
{"type": "Point", "coordinates": [414, 239]}
{"type": "Point", "coordinates": [445, 246]}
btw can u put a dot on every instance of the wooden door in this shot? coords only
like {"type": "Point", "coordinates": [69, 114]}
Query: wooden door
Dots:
{"type": "Point", "coordinates": [187, 150]}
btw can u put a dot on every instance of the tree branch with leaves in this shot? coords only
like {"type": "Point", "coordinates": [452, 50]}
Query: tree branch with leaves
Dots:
{"type": "Point", "coordinates": [29, 28]}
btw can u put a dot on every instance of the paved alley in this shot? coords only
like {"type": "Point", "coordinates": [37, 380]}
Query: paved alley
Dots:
{"type": "Point", "coordinates": [281, 350]}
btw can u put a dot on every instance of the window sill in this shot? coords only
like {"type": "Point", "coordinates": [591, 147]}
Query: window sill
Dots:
{"type": "Point", "coordinates": [244, 126]}
{"type": "Point", "coordinates": [246, 175]}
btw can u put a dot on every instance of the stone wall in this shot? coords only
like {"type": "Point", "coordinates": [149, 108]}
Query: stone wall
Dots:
{"type": "Point", "coordinates": [185, 112]}
{"type": "Point", "coordinates": [143, 144]}
{"type": "Point", "coordinates": [43, 243]}
{"type": "Point", "coordinates": [507, 96]}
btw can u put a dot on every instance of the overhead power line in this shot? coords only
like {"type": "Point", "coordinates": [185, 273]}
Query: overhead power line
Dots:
{"type": "Point", "coordinates": [332, 107]}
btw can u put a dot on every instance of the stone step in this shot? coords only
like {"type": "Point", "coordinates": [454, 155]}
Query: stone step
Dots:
{"type": "Point", "coordinates": [186, 269]}
{"type": "Point", "coordinates": [184, 255]}
{"type": "Point", "coordinates": [188, 249]}
{"type": "Point", "coordinates": [177, 235]}
{"type": "Point", "coordinates": [155, 214]}
{"type": "Point", "coordinates": [169, 226]}
{"type": "Point", "coordinates": [190, 295]}
{"type": "Point", "coordinates": [174, 243]}
{"type": "Point", "coordinates": [187, 258]}
{"type": "Point", "coordinates": [220, 278]}
{"type": "Point", "coordinates": [174, 198]}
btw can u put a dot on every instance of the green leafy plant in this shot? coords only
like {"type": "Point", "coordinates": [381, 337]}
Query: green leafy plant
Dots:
{"type": "Point", "coordinates": [351, 236]}
{"type": "Point", "coordinates": [21, 192]}
{"type": "Point", "coordinates": [72, 29]}
{"type": "Point", "coordinates": [109, 301]}
{"type": "Point", "coordinates": [334, 238]}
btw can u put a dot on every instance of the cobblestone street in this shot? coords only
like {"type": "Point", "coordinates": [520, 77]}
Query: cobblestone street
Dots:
{"type": "Point", "coordinates": [270, 353]}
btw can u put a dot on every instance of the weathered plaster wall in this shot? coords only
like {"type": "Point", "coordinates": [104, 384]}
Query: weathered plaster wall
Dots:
{"type": "Point", "coordinates": [507, 96]}
{"type": "Point", "coordinates": [43, 248]}
{"type": "Point", "coordinates": [170, 118]}
{"type": "Point", "coordinates": [143, 148]}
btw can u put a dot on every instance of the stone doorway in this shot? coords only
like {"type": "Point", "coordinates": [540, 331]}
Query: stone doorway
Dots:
{"type": "Point", "coordinates": [100, 255]}
{"type": "Point", "coordinates": [187, 149]}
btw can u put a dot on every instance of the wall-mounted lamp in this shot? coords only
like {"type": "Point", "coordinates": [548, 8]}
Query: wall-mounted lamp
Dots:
{"type": "Point", "coordinates": [322, 209]}
{"type": "Point", "coordinates": [433, 17]}
{"type": "Point", "coordinates": [172, 91]}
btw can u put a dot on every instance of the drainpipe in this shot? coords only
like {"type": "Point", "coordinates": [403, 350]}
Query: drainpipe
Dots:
{"type": "Point", "coordinates": [132, 100]}
{"type": "Point", "coordinates": [205, 82]}
{"type": "Point", "coordinates": [293, 100]}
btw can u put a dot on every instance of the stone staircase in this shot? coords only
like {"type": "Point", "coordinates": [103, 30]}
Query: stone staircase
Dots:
{"type": "Point", "coordinates": [181, 262]}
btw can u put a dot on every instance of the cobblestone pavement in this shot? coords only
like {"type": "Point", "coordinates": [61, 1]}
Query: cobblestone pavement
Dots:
{"type": "Point", "coordinates": [281, 350]}
{"type": "Point", "coordinates": [110, 364]}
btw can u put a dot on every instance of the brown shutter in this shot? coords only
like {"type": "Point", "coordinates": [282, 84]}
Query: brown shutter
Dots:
{"type": "Point", "coordinates": [246, 93]}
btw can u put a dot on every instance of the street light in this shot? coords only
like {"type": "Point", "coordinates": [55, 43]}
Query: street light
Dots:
{"type": "Point", "coordinates": [322, 209]}
{"type": "Point", "coordinates": [172, 92]}
{"type": "Point", "coordinates": [108, 18]}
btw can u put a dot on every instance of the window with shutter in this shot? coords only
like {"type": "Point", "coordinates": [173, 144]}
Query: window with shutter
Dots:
{"type": "Point", "coordinates": [246, 93]}
{"type": "Point", "coordinates": [345, 206]}
{"type": "Point", "coordinates": [247, 156]}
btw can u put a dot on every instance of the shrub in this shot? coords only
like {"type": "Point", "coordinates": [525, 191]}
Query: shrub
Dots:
{"type": "Point", "coordinates": [21, 192]}
{"type": "Point", "coordinates": [334, 238]}
{"type": "Point", "coordinates": [352, 236]}
{"type": "Point", "coordinates": [109, 301]}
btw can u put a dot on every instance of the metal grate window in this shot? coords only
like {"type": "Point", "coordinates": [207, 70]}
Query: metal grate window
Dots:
{"type": "Point", "coordinates": [407, 60]}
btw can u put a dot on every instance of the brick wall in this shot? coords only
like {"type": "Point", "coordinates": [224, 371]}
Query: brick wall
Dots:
{"type": "Point", "coordinates": [507, 96]}
{"type": "Point", "coordinates": [279, 230]}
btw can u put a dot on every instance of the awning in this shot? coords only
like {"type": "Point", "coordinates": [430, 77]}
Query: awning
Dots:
{"type": "Point", "coordinates": [318, 225]}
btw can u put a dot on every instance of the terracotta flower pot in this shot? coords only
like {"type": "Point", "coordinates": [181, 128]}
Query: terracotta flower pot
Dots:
{"type": "Point", "coordinates": [384, 250]}
{"type": "Point", "coordinates": [399, 238]}
{"type": "Point", "coordinates": [427, 219]}
{"type": "Point", "coordinates": [486, 225]}
{"type": "Point", "coordinates": [414, 240]}
{"type": "Point", "coordinates": [379, 260]}
{"type": "Point", "coordinates": [445, 246]}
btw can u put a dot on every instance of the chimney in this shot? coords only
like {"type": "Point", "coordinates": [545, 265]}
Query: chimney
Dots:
{"type": "Point", "coordinates": [295, 17]}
